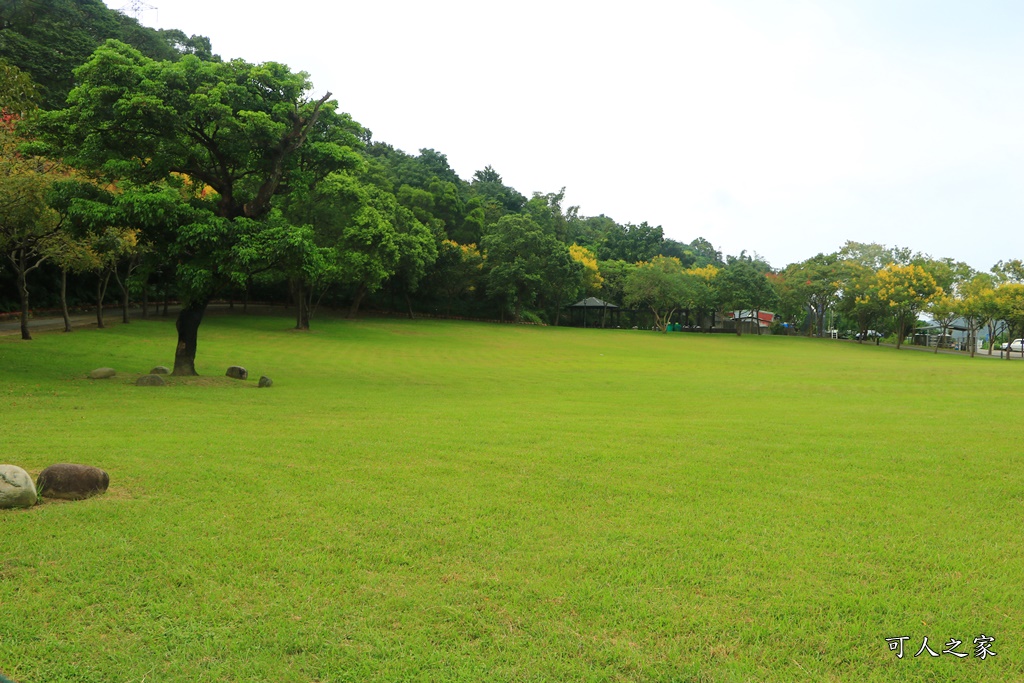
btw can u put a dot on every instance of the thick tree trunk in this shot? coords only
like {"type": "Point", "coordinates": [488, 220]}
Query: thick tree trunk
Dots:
{"type": "Point", "coordinates": [757, 321]}
{"type": "Point", "coordinates": [64, 299]}
{"type": "Point", "coordinates": [187, 325]}
{"type": "Point", "coordinates": [245, 295]}
{"type": "Point", "coordinates": [408, 306]}
{"type": "Point", "coordinates": [145, 300]}
{"type": "Point", "coordinates": [23, 294]}
{"type": "Point", "coordinates": [354, 308]}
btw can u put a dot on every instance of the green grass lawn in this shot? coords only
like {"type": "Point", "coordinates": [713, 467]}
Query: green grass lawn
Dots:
{"type": "Point", "coordinates": [443, 501]}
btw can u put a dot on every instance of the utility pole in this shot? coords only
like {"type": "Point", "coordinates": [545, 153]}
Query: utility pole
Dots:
{"type": "Point", "coordinates": [136, 9]}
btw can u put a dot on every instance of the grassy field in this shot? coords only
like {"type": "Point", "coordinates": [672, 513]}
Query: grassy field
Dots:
{"type": "Point", "coordinates": [444, 501]}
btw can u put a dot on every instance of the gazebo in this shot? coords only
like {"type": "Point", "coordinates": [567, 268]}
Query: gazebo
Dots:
{"type": "Point", "coordinates": [591, 304]}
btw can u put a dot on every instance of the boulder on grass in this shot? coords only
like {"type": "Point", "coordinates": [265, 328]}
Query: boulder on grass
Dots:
{"type": "Point", "coordinates": [150, 381]}
{"type": "Point", "coordinates": [266, 382]}
{"type": "Point", "coordinates": [102, 373]}
{"type": "Point", "coordinates": [16, 488]}
{"type": "Point", "coordinates": [72, 482]}
{"type": "Point", "coordinates": [160, 370]}
{"type": "Point", "coordinates": [237, 372]}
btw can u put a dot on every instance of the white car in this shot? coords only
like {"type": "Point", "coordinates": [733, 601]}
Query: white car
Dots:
{"type": "Point", "coordinates": [1015, 345]}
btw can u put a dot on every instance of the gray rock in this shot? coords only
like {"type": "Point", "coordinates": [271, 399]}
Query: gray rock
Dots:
{"type": "Point", "coordinates": [102, 373]}
{"type": "Point", "coordinates": [237, 372]}
{"type": "Point", "coordinates": [150, 381]}
{"type": "Point", "coordinates": [160, 370]}
{"type": "Point", "coordinates": [16, 488]}
{"type": "Point", "coordinates": [266, 382]}
{"type": "Point", "coordinates": [71, 482]}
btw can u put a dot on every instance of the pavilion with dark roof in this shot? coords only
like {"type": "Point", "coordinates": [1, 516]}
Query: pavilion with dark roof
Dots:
{"type": "Point", "coordinates": [593, 304]}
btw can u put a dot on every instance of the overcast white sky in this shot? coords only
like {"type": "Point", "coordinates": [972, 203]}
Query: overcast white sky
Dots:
{"type": "Point", "coordinates": [784, 127]}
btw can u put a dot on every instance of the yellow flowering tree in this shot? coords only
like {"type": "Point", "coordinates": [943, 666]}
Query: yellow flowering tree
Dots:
{"type": "Point", "coordinates": [859, 299]}
{"type": "Point", "coordinates": [592, 279]}
{"type": "Point", "coordinates": [1010, 300]}
{"type": "Point", "coordinates": [906, 290]}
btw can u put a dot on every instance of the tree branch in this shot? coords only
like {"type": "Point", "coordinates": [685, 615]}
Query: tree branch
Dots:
{"type": "Point", "coordinates": [292, 141]}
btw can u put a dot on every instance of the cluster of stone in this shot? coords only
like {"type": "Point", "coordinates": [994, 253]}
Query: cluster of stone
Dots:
{"type": "Point", "coordinates": [64, 480]}
{"type": "Point", "coordinates": [238, 372]}
{"type": "Point", "coordinates": [154, 378]}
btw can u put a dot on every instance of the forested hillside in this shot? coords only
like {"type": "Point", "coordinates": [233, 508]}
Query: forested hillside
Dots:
{"type": "Point", "coordinates": [48, 39]}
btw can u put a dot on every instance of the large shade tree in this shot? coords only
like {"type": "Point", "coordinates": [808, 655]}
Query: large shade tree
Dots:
{"type": "Point", "coordinates": [814, 284]}
{"type": "Point", "coordinates": [858, 299]}
{"type": "Point", "coordinates": [525, 261]}
{"type": "Point", "coordinates": [224, 132]}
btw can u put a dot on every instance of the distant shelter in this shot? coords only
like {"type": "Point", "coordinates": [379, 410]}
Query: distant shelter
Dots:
{"type": "Point", "coordinates": [592, 312]}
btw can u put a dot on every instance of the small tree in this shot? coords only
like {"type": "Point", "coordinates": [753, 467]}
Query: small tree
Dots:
{"type": "Point", "coordinates": [1010, 299]}
{"type": "Point", "coordinates": [660, 285]}
{"type": "Point", "coordinates": [27, 223]}
{"type": "Point", "coordinates": [975, 305]}
{"type": "Point", "coordinates": [944, 309]}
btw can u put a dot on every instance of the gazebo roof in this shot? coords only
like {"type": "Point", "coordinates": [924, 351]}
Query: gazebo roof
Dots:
{"type": "Point", "coordinates": [592, 302]}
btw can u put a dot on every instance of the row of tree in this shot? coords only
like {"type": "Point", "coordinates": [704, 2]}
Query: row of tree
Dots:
{"type": "Point", "coordinates": [219, 175]}
{"type": "Point", "coordinates": [870, 286]}
{"type": "Point", "coordinates": [169, 170]}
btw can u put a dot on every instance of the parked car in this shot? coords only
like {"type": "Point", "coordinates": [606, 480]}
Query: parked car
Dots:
{"type": "Point", "coordinates": [1016, 345]}
{"type": "Point", "coordinates": [871, 334]}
